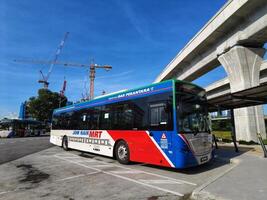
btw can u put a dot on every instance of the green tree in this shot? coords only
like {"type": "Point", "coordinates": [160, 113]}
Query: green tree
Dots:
{"type": "Point", "coordinates": [42, 106]}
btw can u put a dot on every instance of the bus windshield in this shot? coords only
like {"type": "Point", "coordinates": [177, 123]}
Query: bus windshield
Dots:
{"type": "Point", "coordinates": [191, 103]}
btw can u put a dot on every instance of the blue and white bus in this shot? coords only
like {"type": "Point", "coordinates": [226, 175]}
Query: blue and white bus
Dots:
{"type": "Point", "coordinates": [163, 124]}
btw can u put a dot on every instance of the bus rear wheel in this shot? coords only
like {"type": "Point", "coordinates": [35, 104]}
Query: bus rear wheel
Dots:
{"type": "Point", "coordinates": [65, 143]}
{"type": "Point", "coordinates": [122, 152]}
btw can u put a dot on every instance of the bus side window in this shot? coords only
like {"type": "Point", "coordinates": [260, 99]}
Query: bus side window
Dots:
{"type": "Point", "coordinates": [95, 115]}
{"type": "Point", "coordinates": [128, 118]}
{"type": "Point", "coordinates": [56, 122]}
{"type": "Point", "coordinates": [74, 120]}
{"type": "Point", "coordinates": [83, 120]}
{"type": "Point", "coordinates": [160, 116]}
{"type": "Point", "coordinates": [106, 117]}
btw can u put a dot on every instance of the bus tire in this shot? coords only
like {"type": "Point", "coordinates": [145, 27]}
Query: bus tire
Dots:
{"type": "Point", "coordinates": [122, 152]}
{"type": "Point", "coordinates": [65, 143]}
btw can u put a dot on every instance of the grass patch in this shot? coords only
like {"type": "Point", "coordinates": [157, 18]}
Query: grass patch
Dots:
{"type": "Point", "coordinates": [247, 143]}
{"type": "Point", "coordinates": [265, 141]}
{"type": "Point", "coordinates": [225, 135]}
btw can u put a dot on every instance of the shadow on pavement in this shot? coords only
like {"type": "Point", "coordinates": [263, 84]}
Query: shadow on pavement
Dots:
{"type": "Point", "coordinates": [228, 152]}
{"type": "Point", "coordinates": [223, 156]}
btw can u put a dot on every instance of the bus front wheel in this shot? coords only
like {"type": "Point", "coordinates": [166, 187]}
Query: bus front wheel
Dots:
{"type": "Point", "coordinates": [65, 143]}
{"type": "Point", "coordinates": [122, 152]}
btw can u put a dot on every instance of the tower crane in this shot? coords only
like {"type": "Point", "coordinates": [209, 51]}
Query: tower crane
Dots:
{"type": "Point", "coordinates": [44, 79]}
{"type": "Point", "coordinates": [62, 91]}
{"type": "Point", "coordinates": [91, 66]}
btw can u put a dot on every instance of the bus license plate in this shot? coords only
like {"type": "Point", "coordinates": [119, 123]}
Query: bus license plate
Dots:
{"type": "Point", "coordinates": [204, 159]}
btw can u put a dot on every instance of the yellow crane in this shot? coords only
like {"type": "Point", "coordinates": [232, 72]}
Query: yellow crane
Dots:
{"type": "Point", "coordinates": [91, 66]}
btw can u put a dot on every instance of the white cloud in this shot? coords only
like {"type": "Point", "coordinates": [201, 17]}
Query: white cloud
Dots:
{"type": "Point", "coordinates": [5, 113]}
{"type": "Point", "coordinates": [122, 74]}
{"type": "Point", "coordinates": [138, 22]}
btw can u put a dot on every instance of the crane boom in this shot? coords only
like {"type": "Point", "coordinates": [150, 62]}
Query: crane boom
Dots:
{"type": "Point", "coordinates": [66, 64]}
{"type": "Point", "coordinates": [42, 74]}
{"type": "Point", "coordinates": [91, 66]}
{"type": "Point", "coordinates": [60, 47]}
{"type": "Point", "coordinates": [44, 62]}
{"type": "Point", "coordinates": [44, 78]}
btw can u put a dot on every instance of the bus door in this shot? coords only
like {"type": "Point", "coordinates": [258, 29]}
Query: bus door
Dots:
{"type": "Point", "coordinates": [161, 128]}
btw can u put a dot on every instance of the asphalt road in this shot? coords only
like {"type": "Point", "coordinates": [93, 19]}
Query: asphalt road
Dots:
{"type": "Point", "coordinates": [14, 148]}
{"type": "Point", "coordinates": [57, 174]}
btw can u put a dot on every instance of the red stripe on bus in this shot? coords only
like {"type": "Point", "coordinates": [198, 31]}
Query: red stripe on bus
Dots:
{"type": "Point", "coordinates": [142, 148]}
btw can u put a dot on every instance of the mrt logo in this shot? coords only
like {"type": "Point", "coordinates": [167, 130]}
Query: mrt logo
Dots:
{"type": "Point", "coordinates": [95, 134]}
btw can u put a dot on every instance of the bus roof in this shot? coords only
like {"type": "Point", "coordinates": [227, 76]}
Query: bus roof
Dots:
{"type": "Point", "coordinates": [122, 95]}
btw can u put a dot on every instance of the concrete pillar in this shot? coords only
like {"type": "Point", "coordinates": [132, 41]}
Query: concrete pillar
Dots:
{"type": "Point", "coordinates": [243, 68]}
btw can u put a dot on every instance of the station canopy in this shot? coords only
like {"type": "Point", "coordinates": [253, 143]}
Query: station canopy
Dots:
{"type": "Point", "coordinates": [245, 98]}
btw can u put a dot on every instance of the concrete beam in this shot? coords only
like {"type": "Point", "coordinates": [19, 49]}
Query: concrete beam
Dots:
{"type": "Point", "coordinates": [242, 66]}
{"type": "Point", "coordinates": [222, 86]}
{"type": "Point", "coordinates": [238, 22]}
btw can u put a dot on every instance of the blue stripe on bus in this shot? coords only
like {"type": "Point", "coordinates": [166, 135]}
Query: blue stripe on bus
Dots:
{"type": "Point", "coordinates": [157, 89]}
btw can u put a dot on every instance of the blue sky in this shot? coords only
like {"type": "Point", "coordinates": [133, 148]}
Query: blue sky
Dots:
{"type": "Point", "coordinates": [138, 38]}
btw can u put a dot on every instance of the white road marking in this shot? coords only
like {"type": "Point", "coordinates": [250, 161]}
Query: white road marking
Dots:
{"type": "Point", "coordinates": [158, 175]}
{"type": "Point", "coordinates": [102, 165]}
{"type": "Point", "coordinates": [8, 191]}
{"type": "Point", "coordinates": [71, 157]}
{"type": "Point", "coordinates": [126, 172]}
{"type": "Point", "coordinates": [160, 181]}
{"type": "Point", "coordinates": [65, 154]}
{"type": "Point", "coordinates": [77, 176]}
{"type": "Point", "coordinates": [149, 173]}
{"type": "Point", "coordinates": [5, 192]}
{"type": "Point", "coordinates": [88, 161]}
{"type": "Point", "coordinates": [125, 178]}
{"type": "Point", "coordinates": [56, 165]}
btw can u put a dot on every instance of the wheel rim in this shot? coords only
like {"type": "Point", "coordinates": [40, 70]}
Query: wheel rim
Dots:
{"type": "Point", "coordinates": [122, 152]}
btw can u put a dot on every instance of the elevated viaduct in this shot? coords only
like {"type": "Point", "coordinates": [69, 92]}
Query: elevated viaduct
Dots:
{"type": "Point", "coordinates": [233, 38]}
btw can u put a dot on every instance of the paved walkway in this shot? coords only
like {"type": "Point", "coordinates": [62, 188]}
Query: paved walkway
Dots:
{"type": "Point", "coordinates": [246, 180]}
